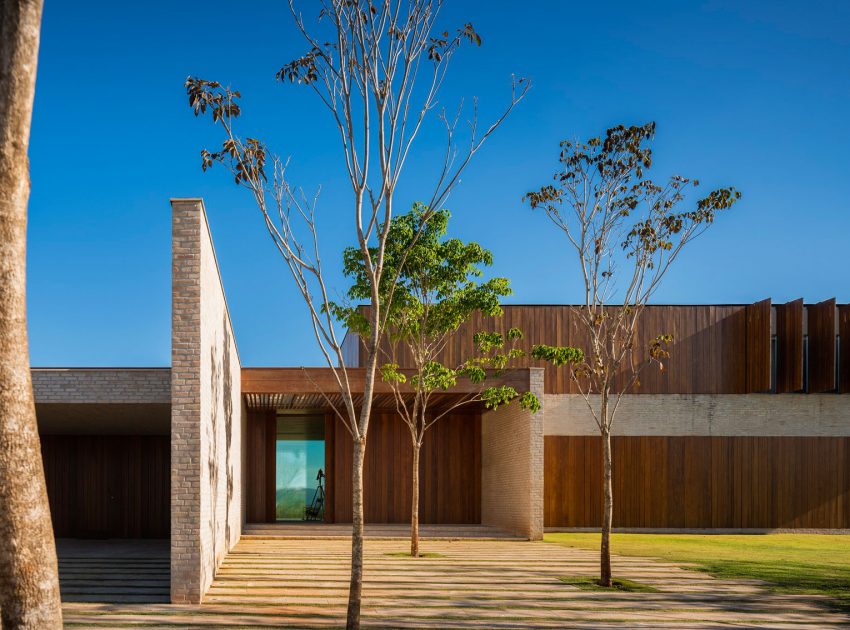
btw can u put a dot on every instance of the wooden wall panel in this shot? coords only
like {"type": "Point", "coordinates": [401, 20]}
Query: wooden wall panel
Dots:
{"type": "Point", "coordinates": [821, 350]}
{"type": "Point", "coordinates": [789, 347]}
{"type": "Point", "coordinates": [716, 349]}
{"type": "Point", "coordinates": [844, 349]}
{"type": "Point", "coordinates": [758, 362]}
{"type": "Point", "coordinates": [449, 473]}
{"type": "Point", "coordinates": [330, 468]}
{"type": "Point", "coordinates": [701, 482]}
{"type": "Point", "coordinates": [112, 486]}
{"type": "Point", "coordinates": [260, 507]}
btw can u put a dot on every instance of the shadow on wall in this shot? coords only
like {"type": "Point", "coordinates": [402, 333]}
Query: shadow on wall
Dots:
{"type": "Point", "coordinates": [221, 395]}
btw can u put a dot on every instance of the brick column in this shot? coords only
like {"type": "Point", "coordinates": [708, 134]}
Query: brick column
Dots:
{"type": "Point", "coordinates": [512, 466]}
{"type": "Point", "coordinates": [187, 216]}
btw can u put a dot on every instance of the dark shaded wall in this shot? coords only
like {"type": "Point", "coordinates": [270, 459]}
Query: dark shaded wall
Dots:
{"type": "Point", "coordinates": [108, 486]}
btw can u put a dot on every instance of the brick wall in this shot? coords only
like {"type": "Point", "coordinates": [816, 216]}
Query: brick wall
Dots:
{"type": "Point", "coordinates": [707, 414]}
{"type": "Point", "coordinates": [102, 385]}
{"type": "Point", "coordinates": [206, 418]}
{"type": "Point", "coordinates": [512, 466]}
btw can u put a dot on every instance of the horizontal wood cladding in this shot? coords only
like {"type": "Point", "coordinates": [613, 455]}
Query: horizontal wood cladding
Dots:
{"type": "Point", "coordinates": [449, 474]}
{"type": "Point", "coordinates": [821, 349]}
{"type": "Point", "coordinates": [701, 482]}
{"type": "Point", "coordinates": [789, 347]}
{"type": "Point", "coordinates": [112, 486]}
{"type": "Point", "coordinates": [717, 349]}
{"type": "Point", "coordinates": [844, 354]}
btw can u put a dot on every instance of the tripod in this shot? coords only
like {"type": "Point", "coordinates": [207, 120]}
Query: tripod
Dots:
{"type": "Point", "coordinates": [316, 510]}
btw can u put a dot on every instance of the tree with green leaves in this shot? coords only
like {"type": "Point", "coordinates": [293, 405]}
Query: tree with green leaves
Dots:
{"type": "Point", "coordinates": [625, 231]}
{"type": "Point", "coordinates": [433, 286]}
{"type": "Point", "coordinates": [377, 67]}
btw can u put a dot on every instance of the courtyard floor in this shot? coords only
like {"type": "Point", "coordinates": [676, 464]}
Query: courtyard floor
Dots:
{"type": "Point", "coordinates": [298, 583]}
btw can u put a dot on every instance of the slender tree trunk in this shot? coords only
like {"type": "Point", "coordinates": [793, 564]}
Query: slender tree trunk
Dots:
{"type": "Point", "coordinates": [414, 508]}
{"type": "Point", "coordinates": [607, 498]}
{"type": "Point", "coordinates": [355, 590]}
{"type": "Point", "coordinates": [29, 585]}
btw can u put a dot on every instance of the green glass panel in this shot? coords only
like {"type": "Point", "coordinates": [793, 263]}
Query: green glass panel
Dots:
{"type": "Point", "coordinates": [300, 454]}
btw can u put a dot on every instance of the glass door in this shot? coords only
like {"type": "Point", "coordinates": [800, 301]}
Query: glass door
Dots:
{"type": "Point", "coordinates": [299, 468]}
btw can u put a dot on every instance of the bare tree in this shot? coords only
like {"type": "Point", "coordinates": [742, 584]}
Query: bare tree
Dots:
{"type": "Point", "coordinates": [29, 584]}
{"type": "Point", "coordinates": [377, 67]}
{"type": "Point", "coordinates": [626, 231]}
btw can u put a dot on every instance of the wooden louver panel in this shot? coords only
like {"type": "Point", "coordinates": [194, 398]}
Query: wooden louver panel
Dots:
{"type": "Point", "coordinates": [844, 349]}
{"type": "Point", "coordinates": [789, 347]}
{"type": "Point", "coordinates": [758, 346]}
{"type": "Point", "coordinates": [821, 351]}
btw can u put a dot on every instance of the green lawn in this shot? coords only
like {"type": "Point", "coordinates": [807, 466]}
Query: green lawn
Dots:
{"type": "Point", "coordinates": [791, 563]}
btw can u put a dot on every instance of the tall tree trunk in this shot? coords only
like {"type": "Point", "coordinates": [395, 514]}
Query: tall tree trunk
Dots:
{"type": "Point", "coordinates": [414, 508]}
{"type": "Point", "coordinates": [355, 590]}
{"type": "Point", "coordinates": [29, 584]}
{"type": "Point", "coordinates": [607, 498]}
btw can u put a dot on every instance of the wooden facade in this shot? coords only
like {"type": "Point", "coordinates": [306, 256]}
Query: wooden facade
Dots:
{"type": "Point", "coordinates": [716, 349]}
{"type": "Point", "coordinates": [821, 334]}
{"type": "Point", "coordinates": [844, 349]}
{"type": "Point", "coordinates": [450, 469]}
{"type": "Point", "coordinates": [112, 486]}
{"type": "Point", "coordinates": [701, 482]}
{"type": "Point", "coordinates": [789, 347]}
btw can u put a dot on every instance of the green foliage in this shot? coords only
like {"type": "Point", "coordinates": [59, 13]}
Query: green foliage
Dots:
{"type": "Point", "coordinates": [558, 355]}
{"type": "Point", "coordinates": [430, 284]}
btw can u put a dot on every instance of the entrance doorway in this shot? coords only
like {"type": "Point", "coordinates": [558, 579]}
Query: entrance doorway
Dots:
{"type": "Point", "coordinates": [299, 467]}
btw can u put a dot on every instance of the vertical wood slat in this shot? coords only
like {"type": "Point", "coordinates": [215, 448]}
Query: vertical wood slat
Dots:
{"type": "Point", "coordinates": [740, 482]}
{"type": "Point", "coordinates": [821, 334]}
{"type": "Point", "coordinates": [844, 349]}
{"type": "Point", "coordinates": [758, 363]}
{"type": "Point", "coordinates": [108, 485]}
{"type": "Point", "coordinates": [789, 347]}
{"type": "Point", "coordinates": [330, 472]}
{"type": "Point", "coordinates": [732, 342]}
{"type": "Point", "coordinates": [449, 473]}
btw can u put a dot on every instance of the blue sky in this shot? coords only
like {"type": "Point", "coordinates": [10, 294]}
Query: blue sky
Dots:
{"type": "Point", "coordinates": [752, 94]}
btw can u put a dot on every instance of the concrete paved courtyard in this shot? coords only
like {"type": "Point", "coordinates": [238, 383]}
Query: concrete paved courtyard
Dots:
{"type": "Point", "coordinates": [279, 582]}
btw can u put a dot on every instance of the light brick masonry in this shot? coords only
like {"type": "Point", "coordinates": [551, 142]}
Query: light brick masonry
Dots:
{"type": "Point", "coordinates": [512, 466]}
{"type": "Point", "coordinates": [206, 416]}
{"type": "Point", "coordinates": [707, 414]}
{"type": "Point", "coordinates": [102, 385]}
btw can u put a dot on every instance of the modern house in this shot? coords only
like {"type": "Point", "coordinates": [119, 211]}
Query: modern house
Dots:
{"type": "Point", "coordinates": [747, 429]}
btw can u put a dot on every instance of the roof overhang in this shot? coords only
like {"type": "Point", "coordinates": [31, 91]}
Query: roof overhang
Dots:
{"type": "Point", "coordinates": [318, 389]}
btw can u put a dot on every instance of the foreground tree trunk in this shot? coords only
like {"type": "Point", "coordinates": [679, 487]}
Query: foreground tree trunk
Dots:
{"type": "Point", "coordinates": [355, 590]}
{"type": "Point", "coordinates": [414, 508]}
{"type": "Point", "coordinates": [29, 585]}
{"type": "Point", "coordinates": [607, 501]}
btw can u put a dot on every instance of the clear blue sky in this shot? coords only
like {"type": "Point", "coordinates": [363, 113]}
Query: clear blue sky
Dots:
{"type": "Point", "coordinates": [754, 94]}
